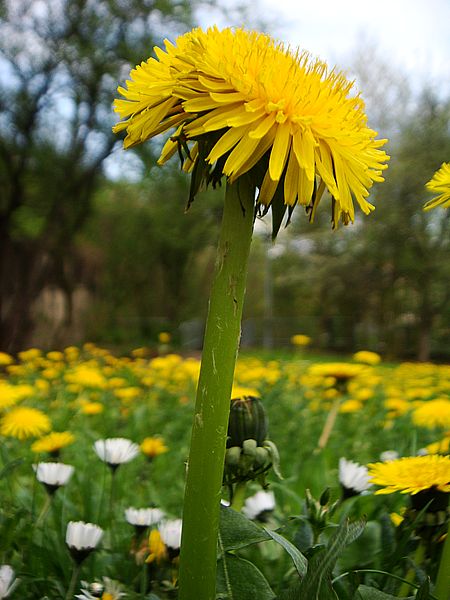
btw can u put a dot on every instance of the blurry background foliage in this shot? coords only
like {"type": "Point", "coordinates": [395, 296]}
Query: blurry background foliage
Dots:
{"type": "Point", "coordinates": [95, 244]}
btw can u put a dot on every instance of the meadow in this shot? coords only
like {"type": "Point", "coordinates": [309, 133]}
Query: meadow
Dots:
{"type": "Point", "coordinates": [55, 406]}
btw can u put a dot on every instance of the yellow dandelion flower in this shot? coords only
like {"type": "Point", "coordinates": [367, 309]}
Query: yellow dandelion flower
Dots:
{"type": "Point", "coordinates": [337, 370]}
{"type": "Point", "coordinates": [127, 393]}
{"type": "Point", "coordinates": [350, 406]}
{"type": "Point", "coordinates": [434, 413]}
{"type": "Point", "coordinates": [92, 408]}
{"type": "Point", "coordinates": [411, 475]}
{"type": "Point", "coordinates": [439, 184]}
{"type": "Point", "coordinates": [29, 355]}
{"type": "Point", "coordinates": [158, 550]}
{"type": "Point", "coordinates": [240, 391]}
{"type": "Point", "coordinates": [164, 337]}
{"type": "Point", "coordinates": [5, 359]}
{"type": "Point", "coordinates": [299, 339]}
{"type": "Point", "coordinates": [55, 355]}
{"type": "Point", "coordinates": [24, 422]}
{"type": "Point", "coordinates": [153, 446]}
{"type": "Point", "coordinates": [367, 357]}
{"type": "Point", "coordinates": [241, 102]}
{"type": "Point", "coordinates": [53, 442]}
{"type": "Point", "coordinates": [440, 447]}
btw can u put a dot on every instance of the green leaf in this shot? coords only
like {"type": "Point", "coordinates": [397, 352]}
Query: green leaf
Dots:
{"type": "Point", "coordinates": [369, 593]}
{"type": "Point", "coordinates": [316, 584]}
{"type": "Point", "coordinates": [300, 562]}
{"type": "Point", "coordinates": [424, 591]}
{"type": "Point", "coordinates": [274, 457]}
{"type": "Point", "coordinates": [239, 579]}
{"type": "Point", "coordinates": [236, 531]}
{"type": "Point", "coordinates": [10, 467]}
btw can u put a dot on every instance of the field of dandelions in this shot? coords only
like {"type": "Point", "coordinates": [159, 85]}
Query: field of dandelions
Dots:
{"type": "Point", "coordinates": [93, 452]}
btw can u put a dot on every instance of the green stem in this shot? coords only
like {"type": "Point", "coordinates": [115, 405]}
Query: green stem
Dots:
{"type": "Point", "coordinates": [73, 581]}
{"type": "Point", "coordinates": [411, 574]}
{"type": "Point", "coordinates": [239, 496]}
{"type": "Point", "coordinates": [442, 589]}
{"type": "Point", "coordinates": [44, 511]}
{"type": "Point", "coordinates": [209, 431]}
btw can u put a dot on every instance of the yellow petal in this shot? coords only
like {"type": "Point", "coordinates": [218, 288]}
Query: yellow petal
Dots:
{"type": "Point", "coordinates": [281, 146]}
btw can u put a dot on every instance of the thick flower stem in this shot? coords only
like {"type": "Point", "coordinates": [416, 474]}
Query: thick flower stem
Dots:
{"type": "Point", "coordinates": [207, 452]}
{"type": "Point", "coordinates": [442, 588]}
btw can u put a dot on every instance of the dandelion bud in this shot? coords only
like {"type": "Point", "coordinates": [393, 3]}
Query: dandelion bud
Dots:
{"type": "Point", "coordinates": [247, 421]}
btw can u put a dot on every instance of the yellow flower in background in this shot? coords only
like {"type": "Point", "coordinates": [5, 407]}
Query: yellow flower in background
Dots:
{"type": "Point", "coordinates": [153, 446]}
{"type": "Point", "coordinates": [141, 352]}
{"type": "Point", "coordinates": [157, 548]}
{"type": "Point", "coordinates": [86, 376]}
{"type": "Point", "coordinates": [55, 355]}
{"type": "Point", "coordinates": [24, 422]}
{"type": "Point", "coordinates": [127, 393]}
{"type": "Point", "coordinates": [366, 357]}
{"type": "Point", "coordinates": [239, 99]}
{"type": "Point", "coordinates": [440, 447]}
{"type": "Point", "coordinates": [397, 406]}
{"type": "Point", "coordinates": [164, 337]}
{"type": "Point", "coordinates": [351, 406]}
{"type": "Point", "coordinates": [92, 408]}
{"type": "Point", "coordinates": [239, 391]}
{"type": "Point", "coordinates": [30, 354]}
{"type": "Point", "coordinates": [5, 359]}
{"type": "Point", "coordinates": [300, 339]}
{"type": "Point", "coordinates": [439, 184]}
{"type": "Point", "coordinates": [433, 413]}
{"type": "Point", "coordinates": [53, 442]}
{"type": "Point", "coordinates": [411, 475]}
{"type": "Point", "coordinates": [11, 394]}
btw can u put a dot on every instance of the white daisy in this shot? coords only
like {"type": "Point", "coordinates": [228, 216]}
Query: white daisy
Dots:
{"type": "Point", "coordinates": [353, 477]}
{"type": "Point", "coordinates": [82, 538]}
{"type": "Point", "coordinates": [116, 451]}
{"type": "Point", "coordinates": [258, 504]}
{"type": "Point", "coordinates": [52, 474]}
{"type": "Point", "coordinates": [389, 455]}
{"type": "Point", "coordinates": [108, 589]}
{"type": "Point", "coordinates": [7, 583]}
{"type": "Point", "coordinates": [170, 532]}
{"type": "Point", "coordinates": [143, 517]}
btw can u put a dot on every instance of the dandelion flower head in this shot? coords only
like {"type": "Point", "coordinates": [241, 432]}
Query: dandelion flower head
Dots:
{"type": "Point", "coordinates": [240, 102]}
{"type": "Point", "coordinates": [440, 184]}
{"type": "Point", "coordinates": [433, 413]}
{"type": "Point", "coordinates": [53, 442]}
{"type": "Point", "coordinates": [24, 422]}
{"type": "Point", "coordinates": [412, 475]}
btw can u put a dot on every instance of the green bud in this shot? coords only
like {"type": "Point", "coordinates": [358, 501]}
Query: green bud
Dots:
{"type": "Point", "coordinates": [233, 455]}
{"type": "Point", "coordinates": [261, 457]}
{"type": "Point", "coordinates": [324, 497]}
{"type": "Point", "coordinates": [249, 447]}
{"type": "Point", "coordinates": [247, 421]}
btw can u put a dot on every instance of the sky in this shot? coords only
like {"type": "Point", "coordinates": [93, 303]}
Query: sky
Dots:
{"type": "Point", "coordinates": [413, 35]}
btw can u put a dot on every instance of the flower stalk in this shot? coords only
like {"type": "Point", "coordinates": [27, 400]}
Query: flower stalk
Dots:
{"type": "Point", "coordinates": [442, 588]}
{"type": "Point", "coordinates": [207, 452]}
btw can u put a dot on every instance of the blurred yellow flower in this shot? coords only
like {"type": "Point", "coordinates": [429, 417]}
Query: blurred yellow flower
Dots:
{"type": "Point", "coordinates": [366, 357]}
{"type": "Point", "coordinates": [411, 475]}
{"type": "Point", "coordinates": [53, 442]}
{"type": "Point", "coordinates": [440, 447]}
{"type": "Point", "coordinates": [351, 406]}
{"type": "Point", "coordinates": [164, 337]}
{"type": "Point", "coordinates": [5, 359]}
{"type": "Point", "coordinates": [24, 422]}
{"type": "Point", "coordinates": [29, 355]}
{"type": "Point", "coordinates": [153, 446]}
{"type": "Point", "coordinates": [300, 340]}
{"type": "Point", "coordinates": [92, 408]}
{"type": "Point", "coordinates": [433, 413]}
{"type": "Point", "coordinates": [237, 97]}
{"type": "Point", "coordinates": [440, 184]}
{"type": "Point", "coordinates": [157, 548]}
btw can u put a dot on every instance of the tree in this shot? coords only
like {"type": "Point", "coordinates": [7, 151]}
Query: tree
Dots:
{"type": "Point", "coordinates": [60, 65]}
